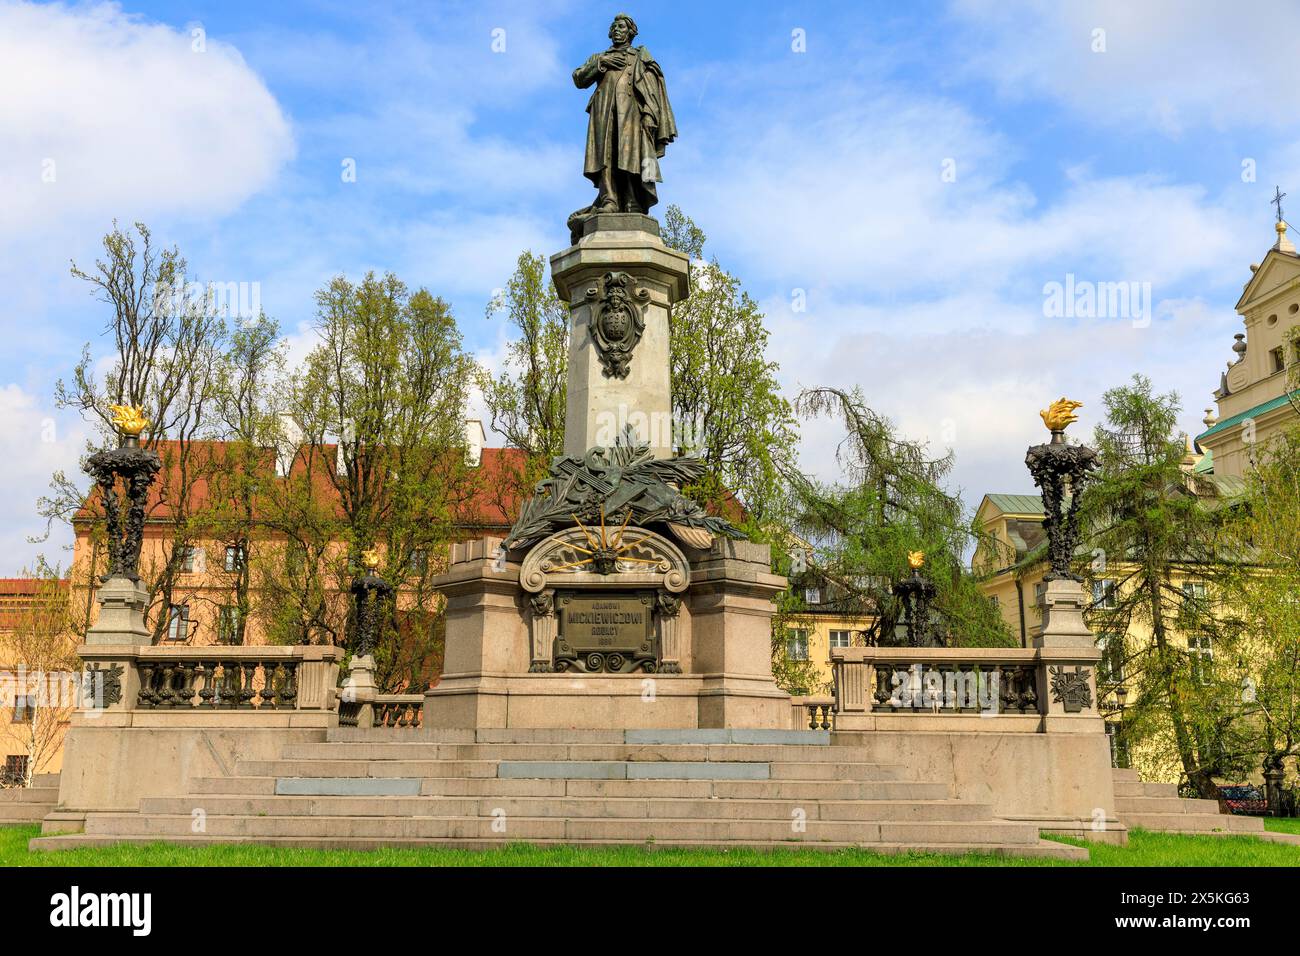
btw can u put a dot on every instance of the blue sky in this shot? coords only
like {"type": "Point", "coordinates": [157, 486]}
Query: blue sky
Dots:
{"type": "Point", "coordinates": [918, 173]}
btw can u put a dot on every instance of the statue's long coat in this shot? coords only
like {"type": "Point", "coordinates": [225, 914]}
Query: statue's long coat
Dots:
{"type": "Point", "coordinates": [615, 134]}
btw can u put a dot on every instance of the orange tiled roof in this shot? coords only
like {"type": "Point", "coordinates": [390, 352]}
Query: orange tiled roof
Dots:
{"type": "Point", "coordinates": [488, 499]}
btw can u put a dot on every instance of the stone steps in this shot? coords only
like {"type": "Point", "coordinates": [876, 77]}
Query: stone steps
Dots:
{"type": "Point", "coordinates": [29, 804]}
{"type": "Point", "coordinates": [1193, 822]}
{"type": "Point", "coordinates": [24, 812]}
{"type": "Point", "coordinates": [16, 795]}
{"type": "Point", "coordinates": [574, 807]}
{"type": "Point", "coordinates": [612, 769]}
{"type": "Point", "coordinates": [1158, 808]}
{"type": "Point", "coordinates": [511, 829]}
{"type": "Point", "coordinates": [1165, 805]}
{"type": "Point", "coordinates": [569, 752]}
{"type": "Point", "coordinates": [1041, 849]}
{"type": "Point", "coordinates": [687, 789]}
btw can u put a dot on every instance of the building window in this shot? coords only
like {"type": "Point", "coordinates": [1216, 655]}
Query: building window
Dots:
{"type": "Point", "coordinates": [796, 645]}
{"type": "Point", "coordinates": [1118, 744]}
{"type": "Point", "coordinates": [234, 557]}
{"type": "Point", "coordinates": [228, 625]}
{"type": "Point", "coordinates": [1195, 591]}
{"type": "Point", "coordinates": [1201, 649]}
{"type": "Point", "coordinates": [15, 772]}
{"type": "Point", "coordinates": [993, 599]}
{"type": "Point", "coordinates": [1040, 593]}
{"type": "Point", "coordinates": [841, 638]}
{"type": "Point", "coordinates": [190, 560]}
{"type": "Point", "coordinates": [1103, 593]}
{"type": "Point", "coordinates": [178, 622]}
{"type": "Point", "coordinates": [24, 710]}
{"type": "Point", "coordinates": [1279, 359]}
{"type": "Point", "coordinates": [812, 595]}
{"type": "Point", "coordinates": [1110, 669]}
{"type": "Point", "coordinates": [419, 561]}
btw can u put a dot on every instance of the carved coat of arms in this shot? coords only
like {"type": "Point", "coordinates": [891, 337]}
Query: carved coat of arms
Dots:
{"type": "Point", "coordinates": [617, 321]}
{"type": "Point", "coordinates": [1071, 689]}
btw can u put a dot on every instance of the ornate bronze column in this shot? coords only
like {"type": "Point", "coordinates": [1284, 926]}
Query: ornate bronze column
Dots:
{"type": "Point", "coordinates": [370, 591]}
{"type": "Point", "coordinates": [916, 593]}
{"type": "Point", "coordinates": [1061, 471]}
{"type": "Point", "coordinates": [135, 468]}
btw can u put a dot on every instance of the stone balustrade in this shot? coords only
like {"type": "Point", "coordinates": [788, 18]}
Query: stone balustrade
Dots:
{"type": "Point", "coordinates": [190, 680]}
{"type": "Point", "coordinates": [812, 713]}
{"type": "Point", "coordinates": [385, 711]}
{"type": "Point", "coordinates": [399, 711]}
{"type": "Point", "coordinates": [1029, 686]}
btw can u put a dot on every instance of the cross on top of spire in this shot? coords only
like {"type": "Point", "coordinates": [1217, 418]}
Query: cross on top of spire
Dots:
{"type": "Point", "coordinates": [1277, 201]}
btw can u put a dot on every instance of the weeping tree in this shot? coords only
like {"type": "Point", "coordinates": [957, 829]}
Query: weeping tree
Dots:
{"type": "Point", "coordinates": [856, 533]}
{"type": "Point", "coordinates": [1170, 627]}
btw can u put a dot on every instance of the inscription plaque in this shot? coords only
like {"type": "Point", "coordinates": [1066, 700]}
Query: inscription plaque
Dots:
{"type": "Point", "coordinates": [606, 633]}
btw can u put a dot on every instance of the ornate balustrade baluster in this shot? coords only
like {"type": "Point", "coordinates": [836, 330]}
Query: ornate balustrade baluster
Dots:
{"type": "Point", "coordinates": [968, 700]}
{"type": "Point", "coordinates": [208, 693]}
{"type": "Point", "coordinates": [145, 697]}
{"type": "Point", "coordinates": [246, 690]}
{"type": "Point", "coordinates": [1008, 696]}
{"type": "Point", "coordinates": [883, 694]}
{"type": "Point", "coordinates": [270, 697]}
{"type": "Point", "coordinates": [289, 689]}
{"type": "Point", "coordinates": [188, 677]}
{"type": "Point", "coordinates": [1028, 689]}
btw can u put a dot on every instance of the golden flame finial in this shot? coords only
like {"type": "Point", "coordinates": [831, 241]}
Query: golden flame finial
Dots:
{"type": "Point", "coordinates": [916, 560]}
{"type": "Point", "coordinates": [370, 559]}
{"type": "Point", "coordinates": [1060, 414]}
{"type": "Point", "coordinates": [129, 419]}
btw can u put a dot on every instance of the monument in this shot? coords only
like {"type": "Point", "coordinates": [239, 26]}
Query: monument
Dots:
{"type": "Point", "coordinates": [124, 471]}
{"type": "Point", "coordinates": [615, 601]}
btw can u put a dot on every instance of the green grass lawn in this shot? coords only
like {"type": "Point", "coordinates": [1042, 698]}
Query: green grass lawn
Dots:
{"type": "Point", "coordinates": [1144, 849]}
{"type": "Point", "coordinates": [1283, 824]}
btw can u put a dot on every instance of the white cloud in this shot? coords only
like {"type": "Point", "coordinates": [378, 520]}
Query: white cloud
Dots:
{"type": "Point", "coordinates": [35, 441]}
{"type": "Point", "coordinates": [1170, 64]}
{"type": "Point", "coordinates": [128, 119]}
{"type": "Point", "coordinates": [857, 199]}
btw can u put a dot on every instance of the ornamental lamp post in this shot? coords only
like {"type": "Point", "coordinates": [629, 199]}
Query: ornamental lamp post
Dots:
{"type": "Point", "coordinates": [1061, 470]}
{"type": "Point", "coordinates": [916, 593]}
{"type": "Point", "coordinates": [359, 690]}
{"type": "Point", "coordinates": [370, 591]}
{"type": "Point", "coordinates": [130, 468]}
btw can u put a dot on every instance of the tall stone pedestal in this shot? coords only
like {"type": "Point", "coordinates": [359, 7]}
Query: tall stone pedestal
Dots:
{"type": "Point", "coordinates": [503, 629]}
{"type": "Point", "coordinates": [1071, 691]}
{"type": "Point", "coordinates": [122, 603]}
{"type": "Point", "coordinates": [619, 366]}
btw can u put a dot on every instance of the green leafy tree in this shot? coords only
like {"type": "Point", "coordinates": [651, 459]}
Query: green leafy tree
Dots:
{"type": "Point", "coordinates": [247, 402]}
{"type": "Point", "coordinates": [727, 405]}
{"type": "Point", "coordinates": [380, 402]}
{"type": "Point", "coordinates": [1155, 533]}
{"type": "Point", "coordinates": [526, 397]}
{"type": "Point", "coordinates": [1266, 590]}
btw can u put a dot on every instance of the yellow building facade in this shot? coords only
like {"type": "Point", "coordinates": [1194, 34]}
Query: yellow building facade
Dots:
{"type": "Point", "coordinates": [1257, 397]}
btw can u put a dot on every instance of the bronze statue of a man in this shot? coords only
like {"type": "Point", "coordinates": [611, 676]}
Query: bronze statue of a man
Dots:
{"type": "Point", "coordinates": [629, 122]}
